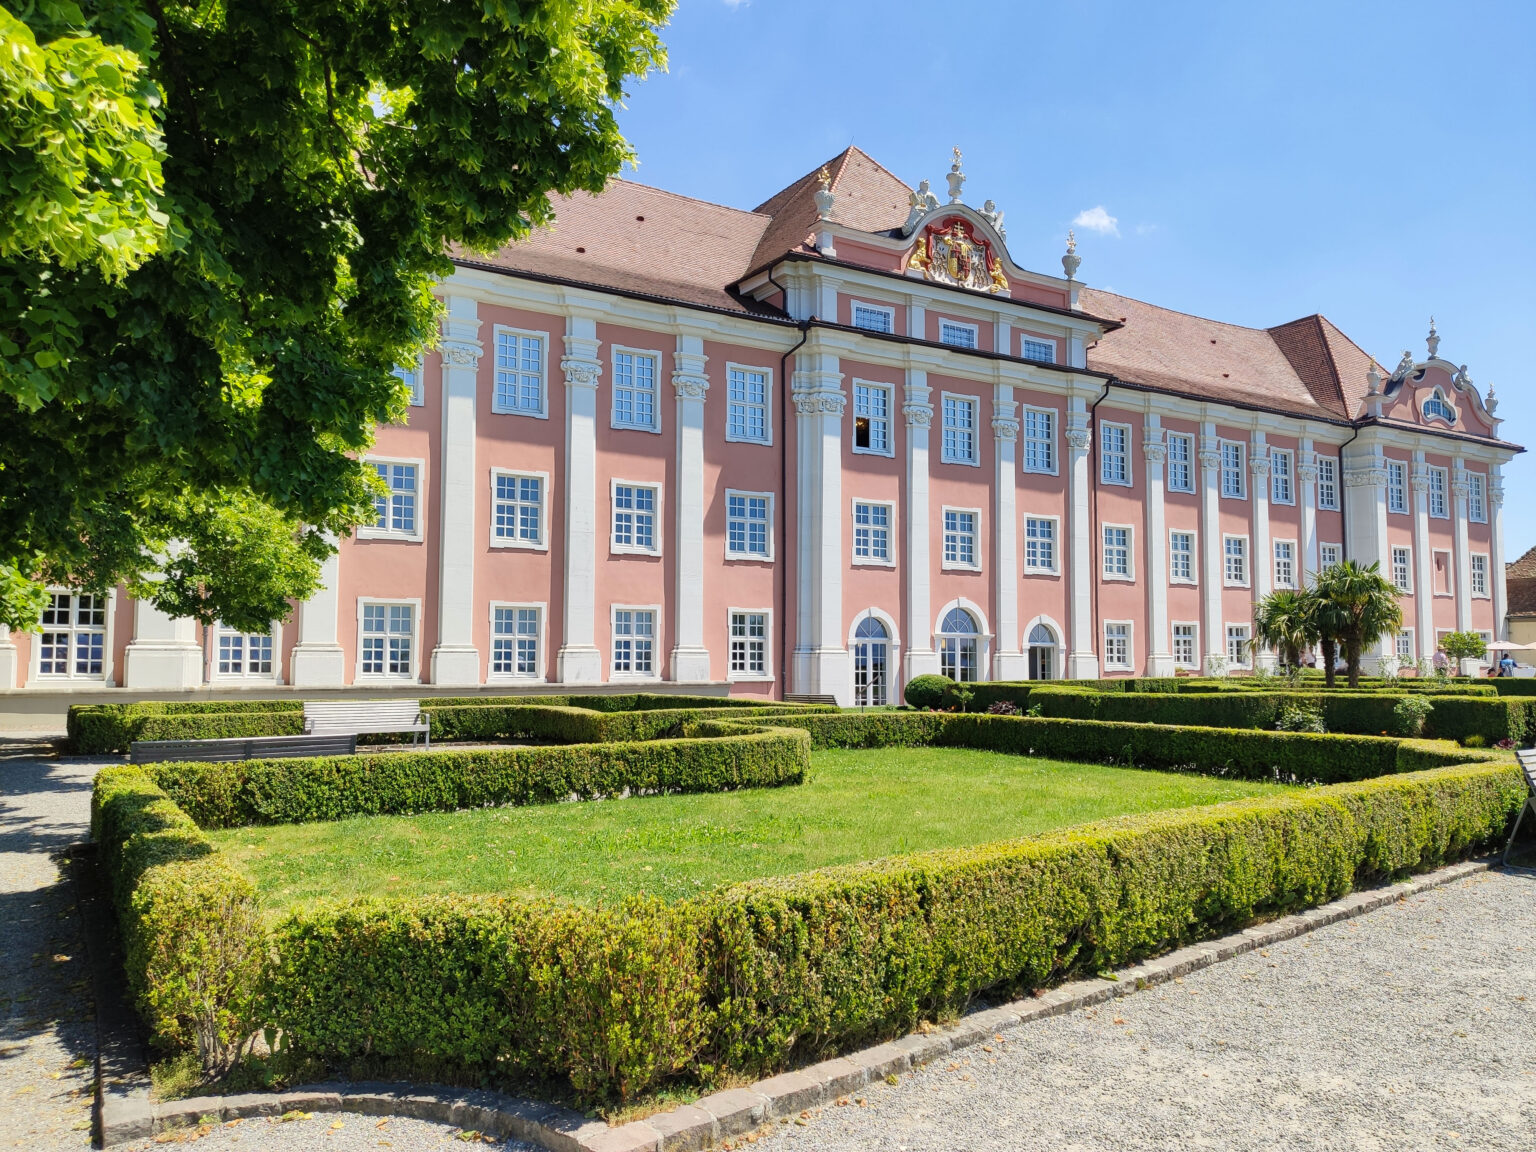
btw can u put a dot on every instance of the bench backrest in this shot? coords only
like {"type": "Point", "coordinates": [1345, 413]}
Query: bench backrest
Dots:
{"type": "Point", "coordinates": [1527, 758]}
{"type": "Point", "coordinates": [361, 716]}
{"type": "Point", "coordinates": [241, 748]}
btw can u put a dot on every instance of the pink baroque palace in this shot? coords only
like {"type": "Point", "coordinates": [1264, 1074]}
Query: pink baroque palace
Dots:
{"type": "Point", "coordinates": [821, 447]}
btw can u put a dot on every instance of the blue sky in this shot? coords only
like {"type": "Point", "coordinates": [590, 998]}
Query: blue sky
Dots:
{"type": "Point", "coordinates": [1375, 162]}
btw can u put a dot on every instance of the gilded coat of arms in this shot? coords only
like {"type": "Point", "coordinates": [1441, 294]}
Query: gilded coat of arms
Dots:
{"type": "Point", "coordinates": [950, 253]}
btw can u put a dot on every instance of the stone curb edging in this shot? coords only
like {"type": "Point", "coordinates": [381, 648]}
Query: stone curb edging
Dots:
{"type": "Point", "coordinates": [125, 1116]}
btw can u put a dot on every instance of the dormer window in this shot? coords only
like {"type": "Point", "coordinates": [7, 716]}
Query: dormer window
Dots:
{"type": "Point", "coordinates": [1436, 408]}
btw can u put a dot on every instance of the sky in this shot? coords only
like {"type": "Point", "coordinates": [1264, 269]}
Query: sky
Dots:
{"type": "Point", "coordinates": [1250, 162]}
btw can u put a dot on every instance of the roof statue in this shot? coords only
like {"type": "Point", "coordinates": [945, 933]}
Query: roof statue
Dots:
{"type": "Point", "coordinates": [922, 202]}
{"type": "Point", "coordinates": [1433, 340]}
{"type": "Point", "coordinates": [1071, 261]}
{"type": "Point", "coordinates": [956, 178]}
{"type": "Point", "coordinates": [993, 215]}
{"type": "Point", "coordinates": [1404, 366]}
{"type": "Point", "coordinates": [824, 195]}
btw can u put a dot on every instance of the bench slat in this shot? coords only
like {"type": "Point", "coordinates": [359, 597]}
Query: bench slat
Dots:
{"type": "Point", "coordinates": [241, 748]}
{"type": "Point", "coordinates": [366, 717]}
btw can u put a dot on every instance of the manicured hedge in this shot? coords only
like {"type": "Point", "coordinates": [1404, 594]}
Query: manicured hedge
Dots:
{"type": "Point", "coordinates": [1509, 686]}
{"type": "Point", "coordinates": [99, 728]}
{"type": "Point", "coordinates": [579, 725]}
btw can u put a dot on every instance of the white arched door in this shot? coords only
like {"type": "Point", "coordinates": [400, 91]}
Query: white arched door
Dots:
{"type": "Point", "coordinates": [959, 644]}
{"type": "Point", "coordinates": [1042, 653]}
{"type": "Point", "coordinates": [871, 663]}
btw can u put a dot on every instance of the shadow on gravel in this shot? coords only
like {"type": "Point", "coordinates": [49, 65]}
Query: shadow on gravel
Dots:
{"type": "Point", "coordinates": [27, 825]}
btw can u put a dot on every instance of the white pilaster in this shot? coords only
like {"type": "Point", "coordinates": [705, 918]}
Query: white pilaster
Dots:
{"type": "Point", "coordinates": [1263, 553]}
{"type": "Point", "coordinates": [1213, 629]}
{"type": "Point", "coordinates": [1083, 659]}
{"type": "Point", "coordinates": [919, 659]}
{"type": "Point", "coordinates": [1461, 488]}
{"type": "Point", "coordinates": [456, 660]}
{"type": "Point", "coordinates": [1154, 450]}
{"type": "Point", "coordinates": [1423, 560]}
{"type": "Point", "coordinates": [578, 660]}
{"type": "Point", "coordinates": [1306, 493]}
{"type": "Point", "coordinates": [318, 661]}
{"type": "Point", "coordinates": [164, 652]}
{"type": "Point", "coordinates": [1008, 661]}
{"type": "Point", "coordinates": [690, 657]}
{"type": "Point", "coordinates": [820, 659]}
{"type": "Point", "coordinates": [1365, 506]}
{"type": "Point", "coordinates": [1496, 550]}
{"type": "Point", "coordinates": [8, 664]}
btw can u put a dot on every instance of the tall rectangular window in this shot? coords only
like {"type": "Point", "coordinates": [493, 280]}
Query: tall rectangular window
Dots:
{"type": "Point", "coordinates": [960, 429]}
{"type": "Point", "coordinates": [1181, 557]}
{"type": "Point", "coordinates": [873, 318]}
{"type": "Point", "coordinates": [1285, 564]}
{"type": "Point", "coordinates": [243, 653]}
{"type": "Point", "coordinates": [1117, 645]}
{"type": "Point", "coordinates": [74, 635]}
{"type": "Point", "coordinates": [634, 641]}
{"type": "Point", "coordinates": [1042, 350]}
{"type": "Point", "coordinates": [634, 518]}
{"type": "Point", "coordinates": [872, 419]}
{"type": "Point", "coordinates": [388, 635]}
{"type": "Point", "coordinates": [1328, 483]}
{"type": "Point", "coordinates": [1479, 574]}
{"type": "Point", "coordinates": [1039, 440]}
{"type": "Point", "coordinates": [872, 532]}
{"type": "Point", "coordinates": [1184, 645]}
{"type": "Point", "coordinates": [1281, 482]}
{"type": "Point", "coordinates": [1234, 482]}
{"type": "Point", "coordinates": [519, 373]}
{"type": "Point", "coordinates": [1329, 554]}
{"type": "Point", "coordinates": [749, 643]}
{"type": "Point", "coordinates": [1181, 469]}
{"type": "Point", "coordinates": [397, 511]}
{"type": "Point", "coordinates": [514, 640]}
{"type": "Point", "coordinates": [411, 376]}
{"type": "Point", "coordinates": [957, 334]}
{"type": "Point", "coordinates": [1238, 653]}
{"type": "Point", "coordinates": [1477, 498]}
{"type": "Point", "coordinates": [747, 525]}
{"type": "Point", "coordinates": [1397, 486]}
{"type": "Point", "coordinates": [634, 390]}
{"type": "Point", "coordinates": [1405, 644]}
{"type": "Point", "coordinates": [960, 538]}
{"type": "Point", "coordinates": [1039, 544]}
{"type": "Point", "coordinates": [1114, 453]}
{"type": "Point", "coordinates": [1235, 552]}
{"type": "Point", "coordinates": [1117, 552]}
{"type": "Point", "coordinates": [1437, 502]}
{"type": "Point", "coordinates": [746, 404]}
{"type": "Point", "coordinates": [1402, 569]}
{"type": "Point", "coordinates": [517, 510]}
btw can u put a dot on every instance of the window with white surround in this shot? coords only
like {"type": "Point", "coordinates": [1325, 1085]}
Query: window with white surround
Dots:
{"type": "Point", "coordinates": [1040, 543]}
{"type": "Point", "coordinates": [397, 514]}
{"type": "Point", "coordinates": [959, 643]}
{"type": "Point", "coordinates": [1442, 569]}
{"type": "Point", "coordinates": [960, 418]}
{"type": "Point", "coordinates": [1239, 654]}
{"type": "Point", "coordinates": [1041, 350]}
{"type": "Point", "coordinates": [1181, 557]}
{"type": "Point", "coordinates": [1184, 646]}
{"type": "Point", "coordinates": [1282, 480]}
{"type": "Point", "coordinates": [746, 404]}
{"type": "Point", "coordinates": [1117, 552]}
{"type": "Point", "coordinates": [1117, 644]}
{"type": "Point", "coordinates": [1181, 469]}
{"type": "Point", "coordinates": [73, 640]}
{"type": "Point", "coordinates": [1405, 644]}
{"type": "Point", "coordinates": [1285, 563]}
{"type": "Point", "coordinates": [1329, 554]}
{"type": "Point", "coordinates": [960, 538]}
{"type": "Point", "coordinates": [388, 640]}
{"type": "Point", "coordinates": [872, 532]}
{"type": "Point", "coordinates": [1234, 471]}
{"type": "Point", "coordinates": [1397, 487]}
{"type": "Point", "coordinates": [958, 334]}
{"type": "Point", "coordinates": [1477, 498]}
{"type": "Point", "coordinates": [1438, 507]}
{"type": "Point", "coordinates": [1402, 569]}
{"type": "Point", "coordinates": [518, 516]}
{"type": "Point", "coordinates": [413, 377]}
{"type": "Point", "coordinates": [749, 645]}
{"type": "Point", "coordinates": [242, 655]}
{"type": "Point", "coordinates": [1039, 428]}
{"type": "Point", "coordinates": [1235, 554]}
{"type": "Point", "coordinates": [1115, 453]}
{"type": "Point", "coordinates": [874, 317]}
{"type": "Point", "coordinates": [634, 641]}
{"type": "Point", "coordinates": [872, 419]}
{"type": "Point", "coordinates": [1328, 483]}
{"type": "Point", "coordinates": [1479, 573]}
{"type": "Point", "coordinates": [635, 382]}
{"type": "Point", "coordinates": [1436, 407]}
{"type": "Point", "coordinates": [871, 651]}
{"type": "Point", "coordinates": [517, 635]}
{"type": "Point", "coordinates": [519, 385]}
{"type": "Point", "coordinates": [748, 525]}
{"type": "Point", "coordinates": [635, 511]}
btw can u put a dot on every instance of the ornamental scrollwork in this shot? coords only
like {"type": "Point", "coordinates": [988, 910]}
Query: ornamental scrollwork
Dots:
{"type": "Point", "coordinates": [1005, 428]}
{"type": "Point", "coordinates": [690, 387]}
{"type": "Point", "coordinates": [918, 415]}
{"type": "Point", "coordinates": [1306, 473]}
{"type": "Point", "coordinates": [1259, 466]}
{"type": "Point", "coordinates": [581, 373]}
{"type": "Point", "coordinates": [1210, 459]}
{"type": "Point", "coordinates": [1155, 451]}
{"type": "Point", "coordinates": [811, 403]}
{"type": "Point", "coordinates": [1365, 478]}
{"type": "Point", "coordinates": [462, 353]}
{"type": "Point", "coordinates": [1078, 439]}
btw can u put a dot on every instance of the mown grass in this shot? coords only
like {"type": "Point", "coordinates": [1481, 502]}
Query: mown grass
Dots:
{"type": "Point", "coordinates": [858, 805]}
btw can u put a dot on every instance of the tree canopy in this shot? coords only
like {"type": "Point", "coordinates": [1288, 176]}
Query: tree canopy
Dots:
{"type": "Point", "coordinates": [220, 224]}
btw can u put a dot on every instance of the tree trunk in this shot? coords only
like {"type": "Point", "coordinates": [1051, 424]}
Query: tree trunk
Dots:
{"type": "Point", "coordinates": [1330, 654]}
{"type": "Point", "coordinates": [1352, 658]}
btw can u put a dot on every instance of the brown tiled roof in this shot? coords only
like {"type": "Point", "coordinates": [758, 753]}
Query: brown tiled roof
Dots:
{"type": "Point", "coordinates": [1521, 596]}
{"type": "Point", "coordinates": [1525, 566]}
{"type": "Point", "coordinates": [1305, 346]}
{"type": "Point", "coordinates": [868, 197]}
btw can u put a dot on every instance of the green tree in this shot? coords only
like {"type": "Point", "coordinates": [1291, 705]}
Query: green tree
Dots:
{"type": "Point", "coordinates": [1463, 645]}
{"type": "Point", "coordinates": [1357, 607]}
{"type": "Point", "coordinates": [222, 222]}
{"type": "Point", "coordinates": [1286, 620]}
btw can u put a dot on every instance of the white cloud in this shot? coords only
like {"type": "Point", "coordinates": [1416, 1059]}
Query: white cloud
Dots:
{"type": "Point", "coordinates": [1097, 220]}
{"type": "Point", "coordinates": [736, 3]}
{"type": "Point", "coordinates": [1146, 229]}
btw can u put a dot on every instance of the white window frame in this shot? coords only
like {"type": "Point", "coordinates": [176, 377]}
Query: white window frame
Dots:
{"type": "Point", "coordinates": [767, 405]}
{"type": "Point", "coordinates": [1130, 645]}
{"type": "Point", "coordinates": [1328, 483]}
{"type": "Point", "coordinates": [974, 459]}
{"type": "Point", "coordinates": [537, 677]}
{"type": "Point", "coordinates": [1406, 587]}
{"type": "Point", "coordinates": [1039, 569]}
{"type": "Point", "coordinates": [1403, 648]}
{"type": "Point", "coordinates": [767, 676]}
{"type": "Point", "coordinates": [962, 326]}
{"type": "Point", "coordinates": [1472, 574]}
{"type": "Point", "coordinates": [948, 565]}
{"type": "Point", "coordinates": [890, 533]}
{"type": "Point", "coordinates": [35, 676]}
{"type": "Point", "coordinates": [615, 351]}
{"type": "Point", "coordinates": [1025, 340]}
{"type": "Point", "coordinates": [887, 310]}
{"type": "Point", "coordinates": [1241, 471]}
{"type": "Point", "coordinates": [373, 531]}
{"type": "Point", "coordinates": [658, 667]}
{"type": "Point", "coordinates": [1188, 462]}
{"type": "Point", "coordinates": [215, 632]}
{"type": "Point", "coordinates": [540, 545]}
{"type": "Point", "coordinates": [1279, 474]}
{"type": "Point", "coordinates": [753, 557]}
{"type": "Point", "coordinates": [1294, 560]}
{"type": "Point", "coordinates": [889, 450]}
{"type": "Point", "coordinates": [1129, 575]}
{"type": "Point", "coordinates": [1443, 411]}
{"type": "Point", "coordinates": [414, 676]}
{"type": "Point", "coordinates": [1193, 579]}
{"type": "Point", "coordinates": [1450, 571]}
{"type": "Point", "coordinates": [1477, 498]}
{"type": "Point", "coordinates": [542, 413]}
{"type": "Point", "coordinates": [1226, 579]}
{"type": "Point", "coordinates": [1128, 480]}
{"type": "Point", "coordinates": [1025, 440]}
{"type": "Point", "coordinates": [657, 535]}
{"type": "Point", "coordinates": [1194, 643]}
{"type": "Point", "coordinates": [415, 379]}
{"type": "Point", "coordinates": [1245, 660]}
{"type": "Point", "coordinates": [1442, 490]}
{"type": "Point", "coordinates": [1397, 488]}
{"type": "Point", "coordinates": [1322, 554]}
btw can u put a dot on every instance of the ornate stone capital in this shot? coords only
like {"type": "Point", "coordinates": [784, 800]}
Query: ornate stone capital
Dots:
{"type": "Point", "coordinates": [1419, 479]}
{"type": "Point", "coordinates": [1365, 478]}
{"type": "Point", "coordinates": [579, 372]}
{"type": "Point", "coordinates": [1259, 465]}
{"type": "Point", "coordinates": [1461, 483]}
{"type": "Point", "coordinates": [1078, 439]}
{"type": "Point", "coordinates": [1307, 472]}
{"type": "Point", "coordinates": [461, 353]}
{"type": "Point", "coordinates": [1210, 459]}
{"type": "Point", "coordinates": [1496, 495]}
{"type": "Point", "coordinates": [811, 403]}
{"type": "Point", "coordinates": [918, 415]}
{"type": "Point", "coordinates": [1005, 428]}
{"type": "Point", "coordinates": [1154, 451]}
{"type": "Point", "coordinates": [689, 386]}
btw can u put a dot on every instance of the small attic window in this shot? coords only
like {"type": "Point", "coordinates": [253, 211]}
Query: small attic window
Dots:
{"type": "Point", "coordinates": [1435, 407]}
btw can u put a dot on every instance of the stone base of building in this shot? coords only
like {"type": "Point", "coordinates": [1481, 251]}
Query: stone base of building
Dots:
{"type": "Point", "coordinates": [1010, 666]}
{"type": "Point", "coordinates": [455, 665]}
{"type": "Point", "coordinates": [318, 666]}
{"type": "Point", "coordinates": [579, 664]}
{"type": "Point", "coordinates": [822, 672]}
{"type": "Point", "coordinates": [152, 664]}
{"type": "Point", "coordinates": [1160, 664]}
{"type": "Point", "coordinates": [8, 666]}
{"type": "Point", "coordinates": [689, 665]}
{"type": "Point", "coordinates": [1082, 666]}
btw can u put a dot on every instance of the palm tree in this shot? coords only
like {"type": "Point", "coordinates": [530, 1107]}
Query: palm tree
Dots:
{"type": "Point", "coordinates": [1286, 620]}
{"type": "Point", "coordinates": [1356, 608]}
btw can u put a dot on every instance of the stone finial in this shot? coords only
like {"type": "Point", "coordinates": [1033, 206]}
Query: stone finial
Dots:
{"type": "Point", "coordinates": [1490, 401]}
{"type": "Point", "coordinates": [1433, 340]}
{"type": "Point", "coordinates": [1373, 379]}
{"type": "Point", "coordinates": [1071, 261]}
{"type": "Point", "coordinates": [824, 195]}
{"type": "Point", "coordinates": [956, 178]}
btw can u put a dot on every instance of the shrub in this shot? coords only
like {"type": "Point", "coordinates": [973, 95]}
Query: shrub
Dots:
{"type": "Point", "coordinates": [1002, 708]}
{"type": "Point", "coordinates": [1474, 741]}
{"type": "Point", "coordinates": [1409, 714]}
{"type": "Point", "coordinates": [1301, 717]}
{"type": "Point", "coordinates": [928, 691]}
{"type": "Point", "coordinates": [94, 729]}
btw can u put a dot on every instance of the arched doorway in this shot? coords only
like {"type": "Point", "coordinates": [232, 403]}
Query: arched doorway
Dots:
{"type": "Point", "coordinates": [959, 644]}
{"type": "Point", "coordinates": [1042, 653]}
{"type": "Point", "coordinates": [871, 663]}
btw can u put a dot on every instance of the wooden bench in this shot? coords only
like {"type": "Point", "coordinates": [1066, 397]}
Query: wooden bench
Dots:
{"type": "Point", "coordinates": [1527, 758]}
{"type": "Point", "coordinates": [240, 748]}
{"type": "Point", "coordinates": [366, 717]}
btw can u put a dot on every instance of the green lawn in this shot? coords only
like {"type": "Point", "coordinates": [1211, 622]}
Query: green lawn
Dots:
{"type": "Point", "coordinates": [858, 806]}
